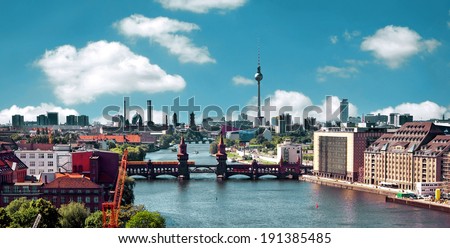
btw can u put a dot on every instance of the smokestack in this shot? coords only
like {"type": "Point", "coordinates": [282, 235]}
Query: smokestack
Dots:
{"type": "Point", "coordinates": [125, 104]}
{"type": "Point", "coordinates": [149, 111]}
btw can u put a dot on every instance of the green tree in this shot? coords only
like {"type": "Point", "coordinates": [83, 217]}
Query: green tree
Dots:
{"type": "Point", "coordinates": [24, 212]}
{"type": "Point", "coordinates": [94, 220]}
{"type": "Point", "coordinates": [5, 220]}
{"type": "Point", "coordinates": [73, 215]}
{"type": "Point", "coordinates": [213, 148]}
{"type": "Point", "coordinates": [128, 194]}
{"type": "Point", "coordinates": [164, 141]}
{"type": "Point", "coordinates": [146, 219]}
{"type": "Point", "coordinates": [128, 211]}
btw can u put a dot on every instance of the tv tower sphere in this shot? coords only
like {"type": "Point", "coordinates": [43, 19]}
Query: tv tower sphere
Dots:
{"type": "Point", "coordinates": [258, 75]}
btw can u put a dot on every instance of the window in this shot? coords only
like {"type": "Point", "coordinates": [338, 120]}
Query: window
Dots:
{"type": "Point", "coordinates": [63, 199]}
{"type": "Point", "coordinates": [88, 199]}
{"type": "Point", "coordinates": [32, 155]}
{"type": "Point", "coordinates": [50, 170]}
{"type": "Point", "coordinates": [5, 199]}
{"type": "Point", "coordinates": [32, 171]}
{"type": "Point", "coordinates": [95, 199]}
{"type": "Point", "coordinates": [23, 155]}
{"type": "Point", "coordinates": [41, 163]}
{"type": "Point", "coordinates": [32, 163]}
{"type": "Point", "coordinates": [50, 155]}
{"type": "Point", "coordinates": [41, 155]}
{"type": "Point", "coordinates": [50, 163]}
{"type": "Point", "coordinates": [79, 199]}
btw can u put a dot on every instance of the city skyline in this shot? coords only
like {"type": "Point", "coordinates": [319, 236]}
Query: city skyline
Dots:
{"type": "Point", "coordinates": [77, 58]}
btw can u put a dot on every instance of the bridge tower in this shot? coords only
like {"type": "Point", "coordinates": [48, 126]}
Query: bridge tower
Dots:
{"type": "Point", "coordinates": [221, 157]}
{"type": "Point", "coordinates": [183, 156]}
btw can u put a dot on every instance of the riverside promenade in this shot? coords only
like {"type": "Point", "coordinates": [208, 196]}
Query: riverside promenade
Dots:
{"type": "Point", "coordinates": [388, 192]}
{"type": "Point", "coordinates": [348, 185]}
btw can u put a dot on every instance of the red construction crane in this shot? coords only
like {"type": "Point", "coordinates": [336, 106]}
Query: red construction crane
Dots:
{"type": "Point", "coordinates": [111, 210]}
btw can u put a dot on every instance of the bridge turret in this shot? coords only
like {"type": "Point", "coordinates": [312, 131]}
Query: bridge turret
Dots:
{"type": "Point", "coordinates": [183, 156]}
{"type": "Point", "coordinates": [221, 157]}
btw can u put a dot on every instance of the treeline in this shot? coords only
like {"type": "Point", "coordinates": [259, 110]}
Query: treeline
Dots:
{"type": "Point", "coordinates": [22, 213]}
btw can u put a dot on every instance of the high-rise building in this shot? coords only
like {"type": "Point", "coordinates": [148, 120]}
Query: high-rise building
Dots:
{"type": "Point", "coordinates": [52, 118]}
{"type": "Point", "coordinates": [404, 118]}
{"type": "Point", "coordinates": [83, 120]}
{"type": "Point", "coordinates": [71, 120]}
{"type": "Point", "coordinates": [339, 152]}
{"type": "Point", "coordinates": [376, 119]}
{"type": "Point", "coordinates": [343, 109]}
{"type": "Point", "coordinates": [42, 120]}
{"type": "Point", "coordinates": [17, 121]}
{"type": "Point", "coordinates": [149, 111]}
{"type": "Point", "coordinates": [393, 119]}
{"type": "Point", "coordinates": [417, 152]}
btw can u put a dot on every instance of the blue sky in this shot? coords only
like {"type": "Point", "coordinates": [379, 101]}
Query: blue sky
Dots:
{"type": "Point", "coordinates": [78, 57]}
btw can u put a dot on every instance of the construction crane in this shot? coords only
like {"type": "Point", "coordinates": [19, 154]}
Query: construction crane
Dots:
{"type": "Point", "coordinates": [111, 210]}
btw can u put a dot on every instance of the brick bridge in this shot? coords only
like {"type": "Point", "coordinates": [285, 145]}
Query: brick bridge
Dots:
{"type": "Point", "coordinates": [183, 168]}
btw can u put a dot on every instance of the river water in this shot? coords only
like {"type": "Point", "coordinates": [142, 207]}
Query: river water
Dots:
{"type": "Point", "coordinates": [203, 202]}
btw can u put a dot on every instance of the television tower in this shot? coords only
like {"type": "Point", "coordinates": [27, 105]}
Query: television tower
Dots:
{"type": "Point", "coordinates": [258, 78]}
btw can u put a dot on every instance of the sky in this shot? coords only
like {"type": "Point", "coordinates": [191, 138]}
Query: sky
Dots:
{"type": "Point", "coordinates": [82, 57]}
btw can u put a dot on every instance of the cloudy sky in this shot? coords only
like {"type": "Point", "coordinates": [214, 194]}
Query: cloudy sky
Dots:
{"type": "Point", "coordinates": [79, 57]}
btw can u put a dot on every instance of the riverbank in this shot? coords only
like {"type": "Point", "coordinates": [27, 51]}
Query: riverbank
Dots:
{"type": "Point", "coordinates": [352, 186]}
{"type": "Point", "coordinates": [389, 193]}
{"type": "Point", "coordinates": [420, 203]}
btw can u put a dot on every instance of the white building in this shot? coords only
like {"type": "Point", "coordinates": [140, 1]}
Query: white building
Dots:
{"type": "Point", "coordinates": [42, 161]}
{"type": "Point", "coordinates": [428, 188]}
{"type": "Point", "coordinates": [289, 152]}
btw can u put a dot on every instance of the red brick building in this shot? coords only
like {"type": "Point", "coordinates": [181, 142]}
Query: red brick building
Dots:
{"type": "Point", "coordinates": [73, 188]}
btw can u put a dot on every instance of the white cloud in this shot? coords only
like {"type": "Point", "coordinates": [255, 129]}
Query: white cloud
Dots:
{"type": "Point", "coordinates": [240, 80]}
{"type": "Point", "coordinates": [80, 76]}
{"type": "Point", "coordinates": [167, 33]}
{"type": "Point", "coordinates": [341, 72]}
{"type": "Point", "coordinates": [350, 35]}
{"type": "Point", "coordinates": [421, 111]}
{"type": "Point", "coordinates": [201, 6]}
{"type": "Point", "coordinates": [31, 112]}
{"type": "Point", "coordinates": [394, 45]}
{"type": "Point", "coordinates": [334, 39]}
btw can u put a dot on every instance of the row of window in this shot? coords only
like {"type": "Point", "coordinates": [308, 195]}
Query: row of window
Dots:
{"type": "Point", "coordinates": [41, 163]}
{"type": "Point", "coordinates": [33, 155]}
{"type": "Point", "coordinates": [33, 171]}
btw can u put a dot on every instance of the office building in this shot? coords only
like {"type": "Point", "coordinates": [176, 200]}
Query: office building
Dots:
{"type": "Point", "coordinates": [402, 119]}
{"type": "Point", "coordinates": [42, 120]}
{"type": "Point", "coordinates": [52, 118]}
{"type": "Point", "coordinates": [339, 152]}
{"type": "Point", "coordinates": [83, 120]}
{"type": "Point", "coordinates": [17, 121]}
{"type": "Point", "coordinates": [71, 120]}
{"type": "Point", "coordinates": [343, 110]}
{"type": "Point", "coordinates": [376, 119]}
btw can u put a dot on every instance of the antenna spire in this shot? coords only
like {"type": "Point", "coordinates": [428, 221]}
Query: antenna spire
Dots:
{"type": "Point", "coordinates": [259, 53]}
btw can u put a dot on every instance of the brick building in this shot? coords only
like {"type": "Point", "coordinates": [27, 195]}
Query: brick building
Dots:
{"type": "Point", "coordinates": [73, 188]}
{"type": "Point", "coordinates": [417, 152]}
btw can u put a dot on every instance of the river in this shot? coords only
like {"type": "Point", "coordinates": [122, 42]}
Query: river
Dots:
{"type": "Point", "coordinates": [203, 202]}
